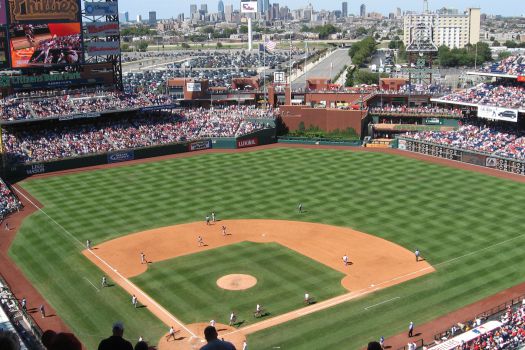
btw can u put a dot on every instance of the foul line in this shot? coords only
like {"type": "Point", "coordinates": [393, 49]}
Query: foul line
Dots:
{"type": "Point", "coordinates": [381, 303]}
{"type": "Point", "coordinates": [132, 285]}
{"type": "Point", "coordinates": [98, 290]}
{"type": "Point", "coordinates": [298, 313]}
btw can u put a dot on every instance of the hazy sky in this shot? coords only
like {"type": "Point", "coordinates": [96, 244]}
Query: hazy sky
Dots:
{"type": "Point", "coordinates": [171, 8]}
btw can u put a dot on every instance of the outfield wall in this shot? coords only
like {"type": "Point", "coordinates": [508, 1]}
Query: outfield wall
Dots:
{"type": "Point", "coordinates": [461, 155]}
{"type": "Point", "coordinates": [20, 171]}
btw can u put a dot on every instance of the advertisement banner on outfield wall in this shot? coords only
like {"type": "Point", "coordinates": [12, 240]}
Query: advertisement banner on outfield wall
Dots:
{"type": "Point", "coordinates": [116, 157]}
{"type": "Point", "coordinates": [254, 141]}
{"type": "Point", "coordinates": [102, 29]}
{"type": "Point", "coordinates": [497, 113]}
{"type": "Point", "coordinates": [248, 6]}
{"type": "Point", "coordinates": [101, 8]}
{"type": "Point", "coordinates": [200, 145]}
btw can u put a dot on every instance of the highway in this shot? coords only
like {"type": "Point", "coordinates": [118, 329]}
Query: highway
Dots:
{"type": "Point", "coordinates": [322, 69]}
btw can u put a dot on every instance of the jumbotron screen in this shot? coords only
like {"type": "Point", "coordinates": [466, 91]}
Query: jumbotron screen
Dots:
{"type": "Point", "coordinates": [43, 45]}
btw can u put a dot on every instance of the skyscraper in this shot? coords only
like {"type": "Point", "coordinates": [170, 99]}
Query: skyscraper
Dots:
{"type": "Point", "coordinates": [345, 9]}
{"type": "Point", "coordinates": [152, 19]}
{"type": "Point", "coordinates": [220, 7]}
{"type": "Point", "coordinates": [362, 11]}
{"type": "Point", "coordinates": [260, 6]}
{"type": "Point", "coordinates": [126, 16]}
{"type": "Point", "coordinates": [266, 5]}
{"type": "Point", "coordinates": [228, 11]}
{"type": "Point", "coordinates": [193, 9]}
{"type": "Point", "coordinates": [204, 8]}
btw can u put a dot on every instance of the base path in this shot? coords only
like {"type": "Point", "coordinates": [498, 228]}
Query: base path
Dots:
{"type": "Point", "coordinates": [374, 262]}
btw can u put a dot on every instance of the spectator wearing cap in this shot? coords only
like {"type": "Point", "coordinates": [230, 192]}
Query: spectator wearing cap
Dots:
{"type": "Point", "coordinates": [116, 341]}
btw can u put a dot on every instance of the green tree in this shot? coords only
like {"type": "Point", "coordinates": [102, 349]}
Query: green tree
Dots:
{"type": "Point", "coordinates": [185, 45]}
{"type": "Point", "coordinates": [243, 29]}
{"type": "Point", "coordinates": [219, 45]}
{"type": "Point", "coordinates": [143, 46]}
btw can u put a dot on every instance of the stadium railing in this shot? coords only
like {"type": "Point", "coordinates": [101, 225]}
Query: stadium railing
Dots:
{"type": "Point", "coordinates": [28, 331]}
{"type": "Point", "coordinates": [419, 345]}
{"type": "Point", "coordinates": [319, 141]}
{"type": "Point", "coordinates": [488, 314]}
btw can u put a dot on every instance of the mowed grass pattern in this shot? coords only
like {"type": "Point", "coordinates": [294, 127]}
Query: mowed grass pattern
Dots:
{"type": "Point", "coordinates": [444, 212]}
{"type": "Point", "coordinates": [186, 286]}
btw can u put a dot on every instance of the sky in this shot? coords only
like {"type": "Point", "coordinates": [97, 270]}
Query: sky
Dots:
{"type": "Point", "coordinates": [171, 8]}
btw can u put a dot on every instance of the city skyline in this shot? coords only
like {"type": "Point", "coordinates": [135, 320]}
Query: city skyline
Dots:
{"type": "Point", "coordinates": [168, 10]}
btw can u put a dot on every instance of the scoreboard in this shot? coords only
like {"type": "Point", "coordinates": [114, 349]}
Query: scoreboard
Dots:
{"type": "Point", "coordinates": [489, 161]}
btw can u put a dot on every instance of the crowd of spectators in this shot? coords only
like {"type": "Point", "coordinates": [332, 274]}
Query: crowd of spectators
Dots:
{"type": "Point", "coordinates": [503, 143]}
{"type": "Point", "coordinates": [8, 201]}
{"type": "Point", "coordinates": [431, 111]}
{"type": "Point", "coordinates": [45, 144]}
{"type": "Point", "coordinates": [500, 94]}
{"type": "Point", "coordinates": [512, 65]}
{"type": "Point", "coordinates": [511, 334]}
{"type": "Point", "coordinates": [31, 107]}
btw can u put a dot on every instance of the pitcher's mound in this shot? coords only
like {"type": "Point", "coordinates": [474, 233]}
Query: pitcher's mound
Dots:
{"type": "Point", "coordinates": [236, 282]}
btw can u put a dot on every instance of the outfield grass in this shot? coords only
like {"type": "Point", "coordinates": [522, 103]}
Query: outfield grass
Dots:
{"type": "Point", "coordinates": [444, 212]}
{"type": "Point", "coordinates": [186, 286]}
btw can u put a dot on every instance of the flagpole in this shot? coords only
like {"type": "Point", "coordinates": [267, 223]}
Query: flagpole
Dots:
{"type": "Point", "coordinates": [264, 68]}
{"type": "Point", "coordinates": [305, 61]}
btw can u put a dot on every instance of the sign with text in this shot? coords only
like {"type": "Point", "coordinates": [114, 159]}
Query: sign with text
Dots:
{"type": "Point", "coordinates": [124, 156]}
{"type": "Point", "coordinates": [200, 145]}
{"type": "Point", "coordinates": [34, 11]}
{"type": "Point", "coordinates": [101, 8]}
{"type": "Point", "coordinates": [254, 141]}
{"type": "Point", "coordinates": [102, 48]}
{"type": "Point", "coordinates": [193, 87]}
{"type": "Point", "coordinates": [248, 6]}
{"type": "Point", "coordinates": [498, 113]}
{"type": "Point", "coordinates": [279, 77]}
{"type": "Point", "coordinates": [102, 29]}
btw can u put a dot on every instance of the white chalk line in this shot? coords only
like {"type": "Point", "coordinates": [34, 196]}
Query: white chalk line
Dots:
{"type": "Point", "coordinates": [352, 295]}
{"type": "Point", "coordinates": [132, 285]}
{"type": "Point", "coordinates": [98, 290]}
{"type": "Point", "coordinates": [300, 312]}
{"type": "Point", "coordinates": [381, 303]}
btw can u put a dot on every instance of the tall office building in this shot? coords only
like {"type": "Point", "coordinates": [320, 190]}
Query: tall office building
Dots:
{"type": "Point", "coordinates": [152, 18]}
{"type": "Point", "coordinates": [220, 7]}
{"type": "Point", "coordinates": [260, 6]}
{"type": "Point", "coordinates": [139, 18]}
{"type": "Point", "coordinates": [452, 30]}
{"type": "Point", "coordinates": [362, 11]}
{"type": "Point", "coordinates": [266, 6]}
{"type": "Point", "coordinates": [193, 9]}
{"type": "Point", "coordinates": [126, 16]}
{"type": "Point", "coordinates": [344, 9]}
{"type": "Point", "coordinates": [228, 12]}
{"type": "Point", "coordinates": [204, 8]}
{"type": "Point", "coordinates": [275, 11]}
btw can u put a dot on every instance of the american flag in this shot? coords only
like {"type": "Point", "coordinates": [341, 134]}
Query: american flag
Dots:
{"type": "Point", "coordinates": [270, 45]}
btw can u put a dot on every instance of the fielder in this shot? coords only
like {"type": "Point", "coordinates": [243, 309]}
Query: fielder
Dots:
{"type": "Point", "coordinates": [345, 260]}
{"type": "Point", "coordinates": [417, 254]}
{"type": "Point", "coordinates": [207, 219]}
{"type": "Point", "coordinates": [143, 258]}
{"type": "Point", "coordinates": [104, 282]}
{"type": "Point", "coordinates": [134, 301]}
{"type": "Point", "coordinates": [224, 230]}
{"type": "Point", "coordinates": [213, 216]}
{"type": "Point", "coordinates": [233, 318]}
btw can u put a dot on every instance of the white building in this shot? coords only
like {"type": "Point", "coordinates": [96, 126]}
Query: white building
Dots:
{"type": "Point", "coordinates": [452, 30]}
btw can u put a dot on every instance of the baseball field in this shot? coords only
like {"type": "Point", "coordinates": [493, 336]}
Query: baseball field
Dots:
{"type": "Point", "coordinates": [468, 227]}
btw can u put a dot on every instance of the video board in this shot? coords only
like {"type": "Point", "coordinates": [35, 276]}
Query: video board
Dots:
{"type": "Point", "coordinates": [45, 45]}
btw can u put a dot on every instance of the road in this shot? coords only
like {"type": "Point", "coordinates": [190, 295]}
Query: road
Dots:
{"type": "Point", "coordinates": [322, 69]}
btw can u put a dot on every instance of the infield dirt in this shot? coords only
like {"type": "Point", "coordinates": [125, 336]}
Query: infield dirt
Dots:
{"type": "Point", "coordinates": [374, 262]}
